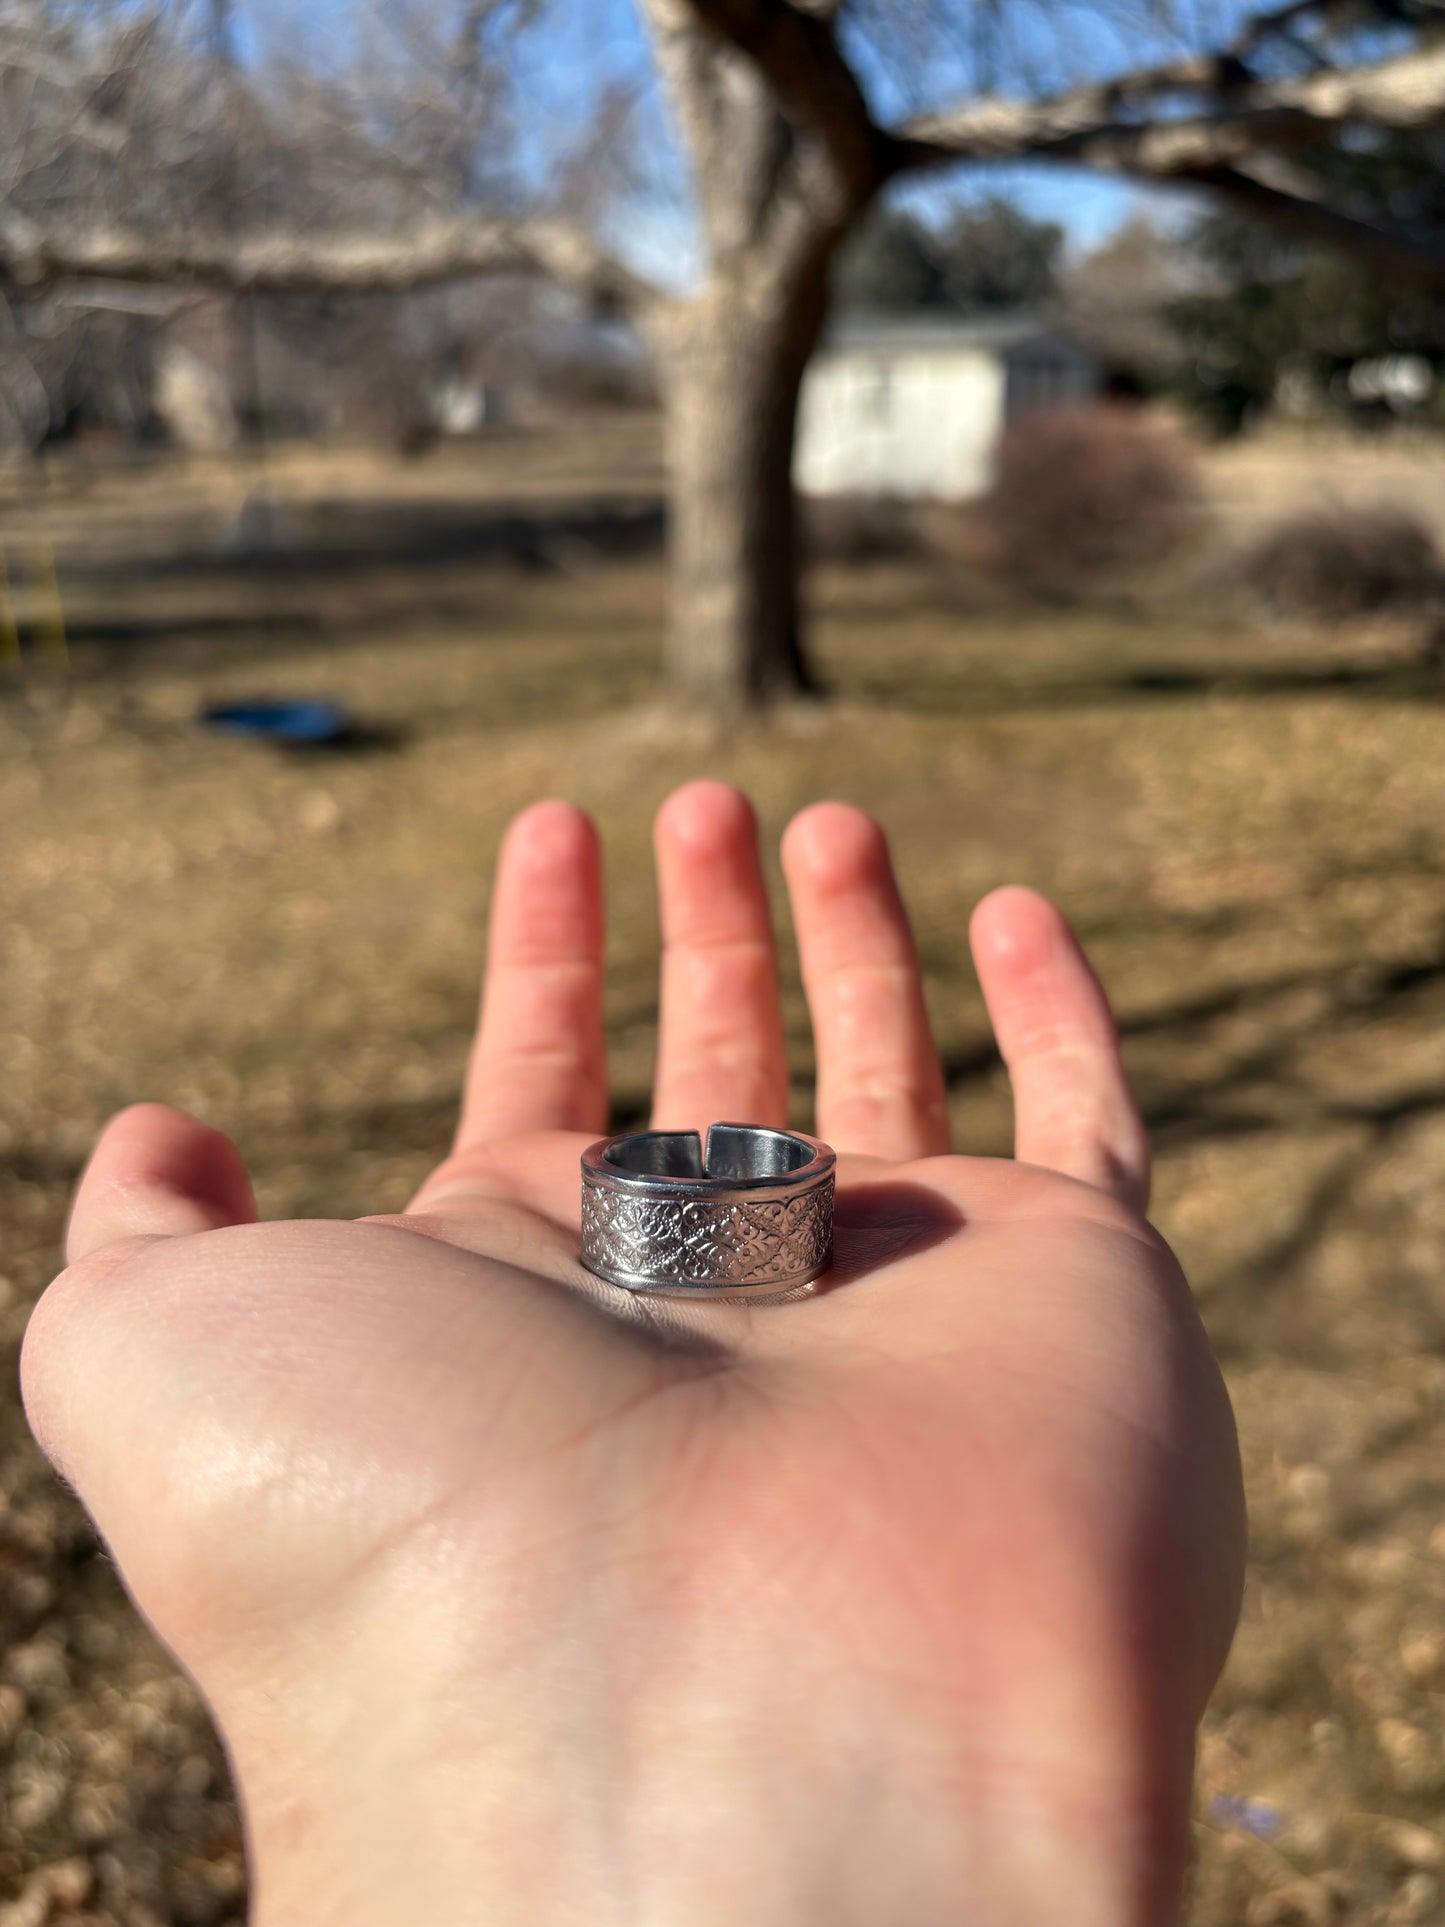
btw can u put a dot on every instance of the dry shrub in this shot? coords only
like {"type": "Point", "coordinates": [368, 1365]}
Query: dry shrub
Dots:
{"type": "Point", "coordinates": [1344, 563]}
{"type": "Point", "coordinates": [1085, 492]}
{"type": "Point", "coordinates": [859, 528]}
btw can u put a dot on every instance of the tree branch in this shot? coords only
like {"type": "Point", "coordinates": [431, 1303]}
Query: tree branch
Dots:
{"type": "Point", "coordinates": [1126, 125]}
{"type": "Point", "coordinates": [1132, 126]}
{"type": "Point", "coordinates": [1398, 255]}
{"type": "Point", "coordinates": [31, 259]}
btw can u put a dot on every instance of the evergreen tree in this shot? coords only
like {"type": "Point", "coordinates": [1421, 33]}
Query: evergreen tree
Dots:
{"type": "Point", "coordinates": [1267, 310]}
{"type": "Point", "coordinates": [987, 256]}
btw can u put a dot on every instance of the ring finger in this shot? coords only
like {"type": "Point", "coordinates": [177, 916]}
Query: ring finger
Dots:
{"type": "Point", "coordinates": [880, 1084]}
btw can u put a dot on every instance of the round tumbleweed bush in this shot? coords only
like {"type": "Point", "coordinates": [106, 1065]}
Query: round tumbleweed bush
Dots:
{"type": "Point", "coordinates": [1087, 491]}
{"type": "Point", "coordinates": [1345, 562]}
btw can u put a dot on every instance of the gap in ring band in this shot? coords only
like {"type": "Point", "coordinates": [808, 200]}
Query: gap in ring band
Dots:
{"type": "Point", "coordinates": [734, 1152]}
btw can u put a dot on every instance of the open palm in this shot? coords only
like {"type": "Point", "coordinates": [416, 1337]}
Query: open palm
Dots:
{"type": "Point", "coordinates": [519, 1597]}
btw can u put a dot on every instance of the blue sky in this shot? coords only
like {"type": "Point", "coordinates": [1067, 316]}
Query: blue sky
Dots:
{"type": "Point", "coordinates": [580, 45]}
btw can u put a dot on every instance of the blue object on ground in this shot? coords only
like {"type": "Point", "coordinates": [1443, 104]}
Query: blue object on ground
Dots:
{"type": "Point", "coordinates": [306, 721]}
{"type": "Point", "coordinates": [1254, 1816]}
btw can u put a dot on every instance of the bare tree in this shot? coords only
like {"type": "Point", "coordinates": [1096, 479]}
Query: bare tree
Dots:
{"type": "Point", "coordinates": [780, 106]}
{"type": "Point", "coordinates": [1116, 300]}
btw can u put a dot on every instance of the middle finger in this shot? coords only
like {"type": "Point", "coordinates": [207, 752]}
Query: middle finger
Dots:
{"type": "Point", "coordinates": [720, 1051]}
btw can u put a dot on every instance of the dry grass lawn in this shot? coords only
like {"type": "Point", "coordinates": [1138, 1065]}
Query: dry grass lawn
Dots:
{"type": "Point", "coordinates": [1245, 824]}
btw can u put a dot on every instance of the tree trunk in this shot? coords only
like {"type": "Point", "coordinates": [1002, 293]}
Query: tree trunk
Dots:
{"type": "Point", "coordinates": [732, 366]}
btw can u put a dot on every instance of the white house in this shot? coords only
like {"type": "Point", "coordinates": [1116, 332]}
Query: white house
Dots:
{"type": "Point", "coordinates": [913, 407]}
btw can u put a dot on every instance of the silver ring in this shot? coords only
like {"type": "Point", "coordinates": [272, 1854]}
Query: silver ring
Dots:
{"type": "Point", "coordinates": [749, 1216]}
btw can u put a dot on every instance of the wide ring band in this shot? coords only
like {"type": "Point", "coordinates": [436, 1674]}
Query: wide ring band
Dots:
{"type": "Point", "coordinates": [748, 1215]}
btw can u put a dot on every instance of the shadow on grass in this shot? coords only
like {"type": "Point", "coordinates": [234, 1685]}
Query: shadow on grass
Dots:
{"type": "Point", "coordinates": [327, 538]}
{"type": "Point", "coordinates": [1254, 1045]}
{"type": "Point", "coordinates": [1421, 681]}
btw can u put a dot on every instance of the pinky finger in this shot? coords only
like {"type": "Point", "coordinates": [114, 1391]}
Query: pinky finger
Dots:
{"type": "Point", "coordinates": [157, 1173]}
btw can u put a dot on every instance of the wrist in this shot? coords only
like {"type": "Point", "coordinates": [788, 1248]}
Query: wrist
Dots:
{"type": "Point", "coordinates": [686, 1815]}
{"type": "Point", "coordinates": [736, 1868]}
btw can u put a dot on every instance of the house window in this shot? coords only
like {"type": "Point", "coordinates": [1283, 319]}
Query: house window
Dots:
{"type": "Point", "coordinates": [1040, 381]}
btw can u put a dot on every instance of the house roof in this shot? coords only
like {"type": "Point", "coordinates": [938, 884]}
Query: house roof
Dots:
{"type": "Point", "coordinates": [893, 333]}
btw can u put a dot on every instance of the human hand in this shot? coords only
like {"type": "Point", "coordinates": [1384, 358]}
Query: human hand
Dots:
{"type": "Point", "coordinates": [521, 1598]}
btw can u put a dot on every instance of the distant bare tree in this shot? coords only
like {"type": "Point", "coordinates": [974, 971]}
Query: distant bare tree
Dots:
{"type": "Point", "coordinates": [780, 105]}
{"type": "Point", "coordinates": [1116, 300]}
